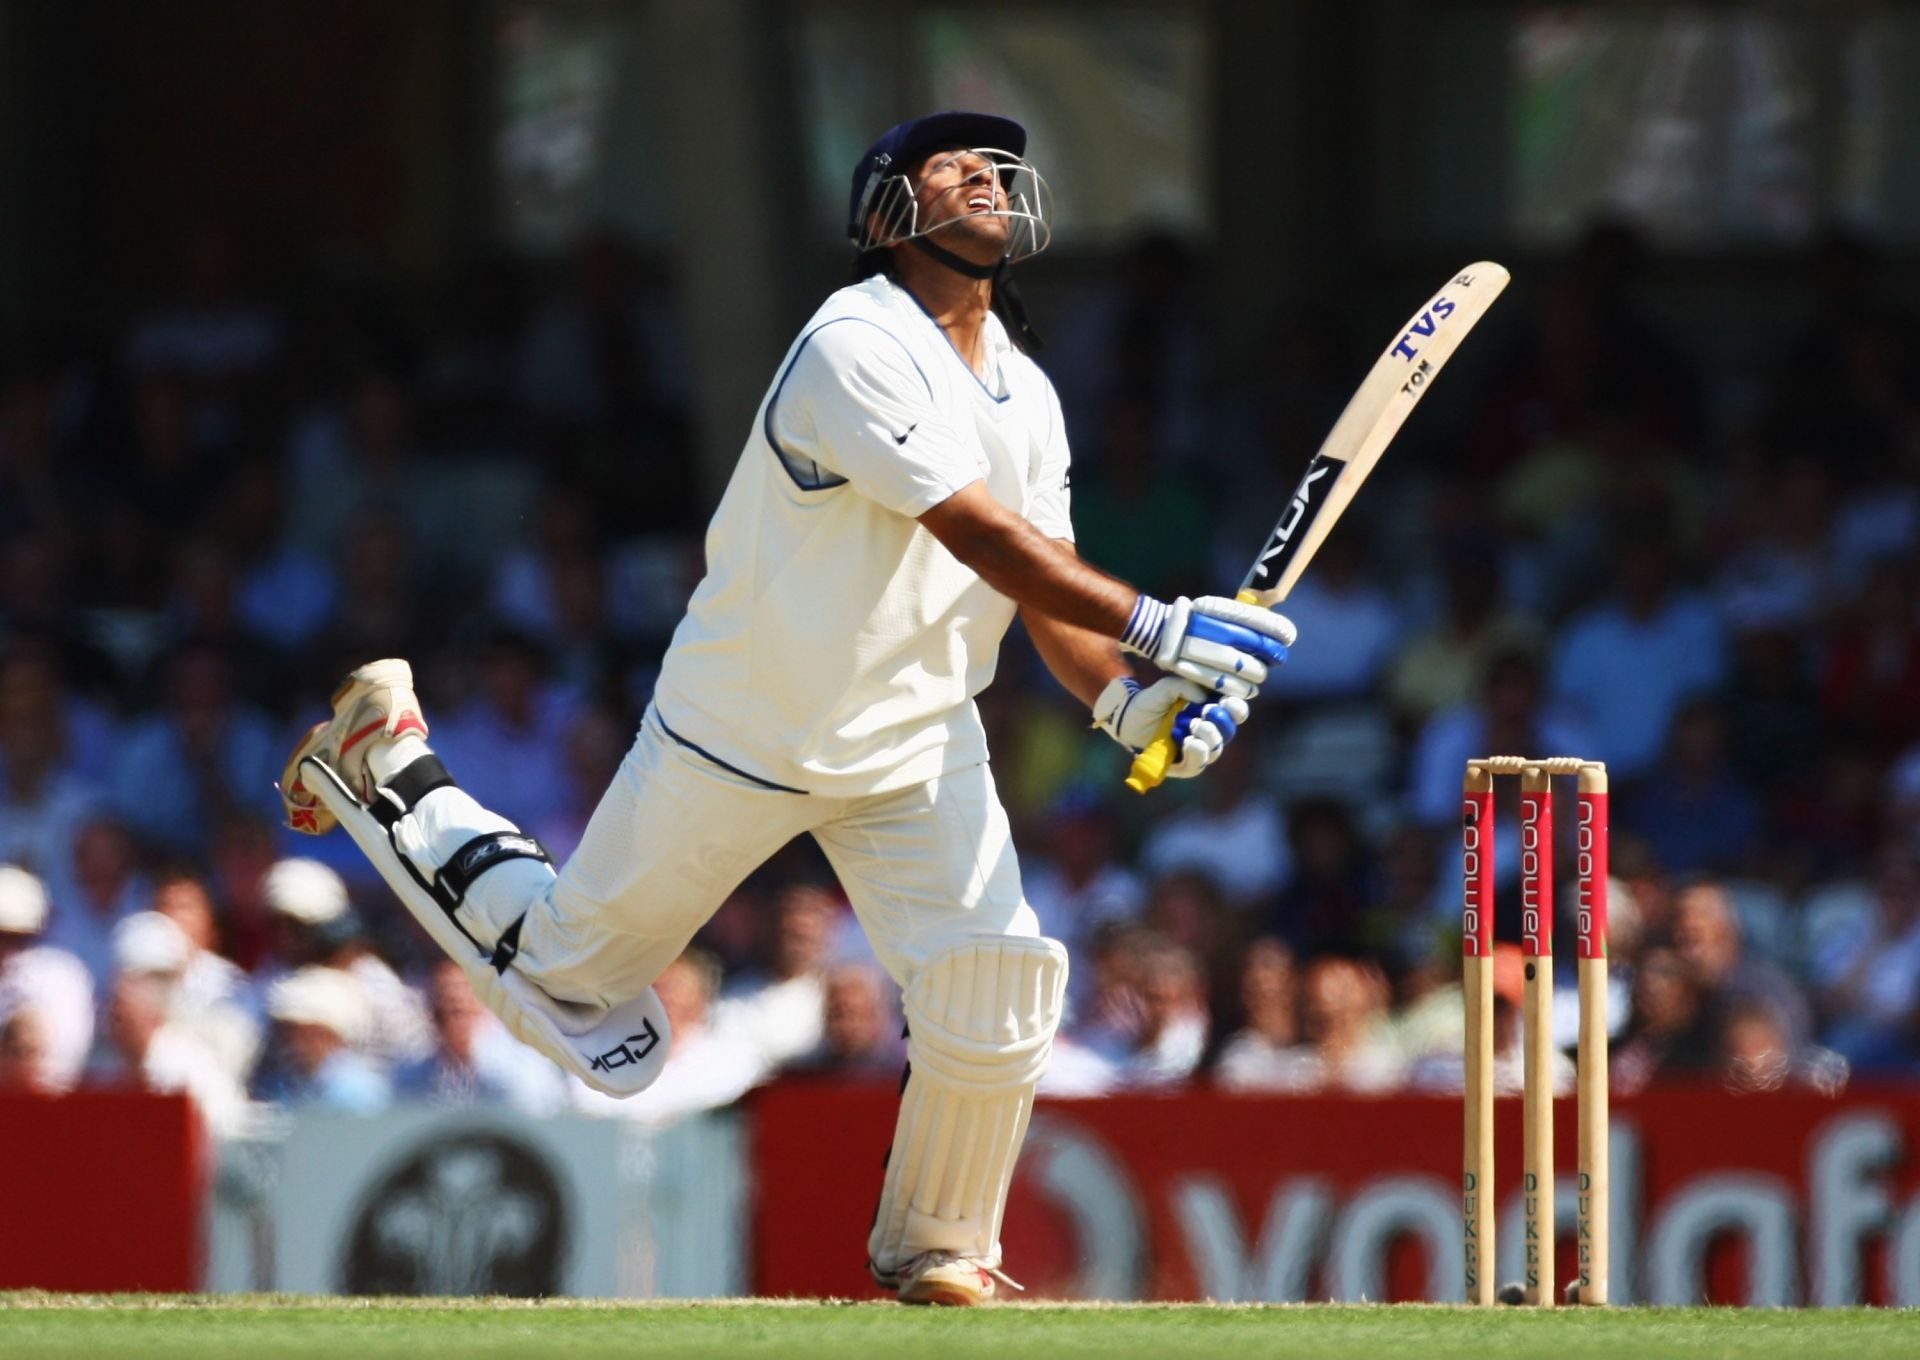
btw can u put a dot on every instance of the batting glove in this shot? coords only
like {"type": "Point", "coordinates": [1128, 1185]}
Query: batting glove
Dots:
{"type": "Point", "coordinates": [1202, 724]}
{"type": "Point", "coordinates": [1221, 644]}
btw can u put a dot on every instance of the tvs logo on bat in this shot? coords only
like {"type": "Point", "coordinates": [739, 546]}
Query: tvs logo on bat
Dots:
{"type": "Point", "coordinates": [1425, 327]}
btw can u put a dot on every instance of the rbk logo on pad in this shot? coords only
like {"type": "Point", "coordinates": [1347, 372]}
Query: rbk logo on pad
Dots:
{"type": "Point", "coordinates": [632, 1050]}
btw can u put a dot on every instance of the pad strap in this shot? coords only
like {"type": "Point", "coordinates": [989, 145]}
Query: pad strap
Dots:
{"type": "Point", "coordinates": [479, 855]}
{"type": "Point", "coordinates": [509, 946]}
{"type": "Point", "coordinates": [402, 794]}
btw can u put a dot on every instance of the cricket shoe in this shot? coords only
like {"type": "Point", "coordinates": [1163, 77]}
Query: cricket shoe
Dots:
{"type": "Point", "coordinates": [946, 1280]}
{"type": "Point", "coordinates": [374, 707]}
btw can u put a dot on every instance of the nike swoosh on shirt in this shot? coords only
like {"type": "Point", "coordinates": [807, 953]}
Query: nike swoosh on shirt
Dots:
{"type": "Point", "coordinates": [901, 438]}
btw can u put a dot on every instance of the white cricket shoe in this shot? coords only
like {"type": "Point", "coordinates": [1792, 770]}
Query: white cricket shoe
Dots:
{"type": "Point", "coordinates": [374, 705]}
{"type": "Point", "coordinates": [946, 1280]}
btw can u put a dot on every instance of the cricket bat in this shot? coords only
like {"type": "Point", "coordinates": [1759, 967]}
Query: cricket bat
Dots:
{"type": "Point", "coordinates": [1393, 387]}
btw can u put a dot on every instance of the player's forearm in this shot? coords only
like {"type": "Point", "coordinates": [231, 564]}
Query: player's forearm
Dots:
{"type": "Point", "coordinates": [1082, 660]}
{"type": "Point", "coordinates": [1026, 566]}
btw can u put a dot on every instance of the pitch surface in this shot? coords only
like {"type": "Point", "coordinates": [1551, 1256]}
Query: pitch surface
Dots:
{"type": "Point", "coordinates": [36, 1324]}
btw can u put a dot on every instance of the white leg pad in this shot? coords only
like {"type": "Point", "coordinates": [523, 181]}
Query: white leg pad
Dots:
{"type": "Point", "coordinates": [980, 1024]}
{"type": "Point", "coordinates": [618, 1050]}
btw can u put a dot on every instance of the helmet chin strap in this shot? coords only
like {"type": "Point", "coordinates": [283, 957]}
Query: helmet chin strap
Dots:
{"type": "Point", "coordinates": [956, 263]}
{"type": "Point", "coordinates": [1006, 298]}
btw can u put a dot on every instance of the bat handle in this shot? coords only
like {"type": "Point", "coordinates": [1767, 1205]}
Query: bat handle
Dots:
{"type": "Point", "coordinates": [1150, 766]}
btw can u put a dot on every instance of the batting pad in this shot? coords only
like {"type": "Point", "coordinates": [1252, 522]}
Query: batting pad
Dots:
{"type": "Point", "coordinates": [980, 1024]}
{"type": "Point", "coordinates": [619, 1050]}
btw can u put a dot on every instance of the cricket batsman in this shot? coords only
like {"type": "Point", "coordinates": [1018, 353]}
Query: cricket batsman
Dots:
{"type": "Point", "coordinates": [902, 493]}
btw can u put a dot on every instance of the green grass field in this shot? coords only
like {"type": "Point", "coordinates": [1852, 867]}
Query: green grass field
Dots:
{"type": "Point", "coordinates": [59, 1325]}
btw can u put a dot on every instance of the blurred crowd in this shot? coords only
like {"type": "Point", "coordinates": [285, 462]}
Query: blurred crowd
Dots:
{"type": "Point", "coordinates": [1611, 539]}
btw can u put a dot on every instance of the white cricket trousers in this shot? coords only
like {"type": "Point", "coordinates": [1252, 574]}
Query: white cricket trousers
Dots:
{"type": "Point", "coordinates": [926, 868]}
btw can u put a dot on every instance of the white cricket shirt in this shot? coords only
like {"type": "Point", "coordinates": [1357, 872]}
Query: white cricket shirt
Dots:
{"type": "Point", "coordinates": [834, 645]}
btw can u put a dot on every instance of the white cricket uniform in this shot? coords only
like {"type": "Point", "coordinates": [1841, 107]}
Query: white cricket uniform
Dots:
{"type": "Point", "coordinates": [823, 678]}
{"type": "Point", "coordinates": [835, 646]}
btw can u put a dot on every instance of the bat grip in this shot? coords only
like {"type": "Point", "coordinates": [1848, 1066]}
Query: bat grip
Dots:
{"type": "Point", "coordinates": [1150, 767]}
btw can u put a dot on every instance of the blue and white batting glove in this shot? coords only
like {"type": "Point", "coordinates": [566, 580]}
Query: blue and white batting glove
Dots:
{"type": "Point", "coordinates": [1202, 724]}
{"type": "Point", "coordinates": [1221, 644]}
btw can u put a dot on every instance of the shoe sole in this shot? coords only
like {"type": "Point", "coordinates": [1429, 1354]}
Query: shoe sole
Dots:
{"type": "Point", "coordinates": [941, 1296]}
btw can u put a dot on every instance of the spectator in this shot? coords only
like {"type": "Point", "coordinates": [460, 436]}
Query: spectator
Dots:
{"type": "Point", "coordinates": [503, 740]}
{"type": "Point", "coordinates": [1693, 811]}
{"type": "Point", "coordinates": [1869, 974]}
{"type": "Point", "coordinates": [1135, 511]}
{"type": "Point", "coordinates": [1233, 831]}
{"type": "Point", "coordinates": [1667, 1036]}
{"type": "Point", "coordinates": [1137, 336]}
{"type": "Point", "coordinates": [243, 852]}
{"type": "Point", "coordinates": [1173, 1019]}
{"type": "Point", "coordinates": [319, 926]}
{"type": "Point", "coordinates": [45, 980]}
{"type": "Point", "coordinates": [284, 592]}
{"type": "Point", "coordinates": [1760, 1058]}
{"type": "Point", "coordinates": [1344, 1042]}
{"type": "Point", "coordinates": [1512, 714]}
{"type": "Point", "coordinates": [25, 1051]}
{"type": "Point", "coordinates": [208, 748]}
{"type": "Point", "coordinates": [599, 354]}
{"type": "Point", "coordinates": [353, 460]}
{"type": "Point", "coordinates": [1114, 1017]}
{"type": "Point", "coordinates": [1870, 687]}
{"type": "Point", "coordinates": [1446, 1070]}
{"type": "Point", "coordinates": [1352, 622]}
{"type": "Point", "coordinates": [1269, 999]}
{"type": "Point", "coordinates": [1446, 667]}
{"type": "Point", "coordinates": [320, 1015]}
{"type": "Point", "coordinates": [704, 1070]}
{"type": "Point", "coordinates": [475, 1061]}
{"type": "Point", "coordinates": [1413, 904]}
{"type": "Point", "coordinates": [860, 1036]}
{"type": "Point", "coordinates": [148, 944]}
{"type": "Point", "coordinates": [779, 1012]}
{"type": "Point", "coordinates": [1707, 942]}
{"type": "Point", "coordinates": [100, 889]}
{"type": "Point", "coordinates": [1776, 566]}
{"type": "Point", "coordinates": [1625, 666]}
{"type": "Point", "coordinates": [1080, 884]}
{"type": "Point", "coordinates": [1170, 1038]}
{"type": "Point", "coordinates": [377, 572]}
{"type": "Point", "coordinates": [1188, 910]}
{"type": "Point", "coordinates": [527, 592]}
{"type": "Point", "coordinates": [212, 997]}
{"type": "Point", "coordinates": [145, 1052]}
{"type": "Point", "coordinates": [1323, 907]}
{"type": "Point", "coordinates": [44, 797]}
{"type": "Point", "coordinates": [1343, 1016]}
{"type": "Point", "coordinates": [596, 741]}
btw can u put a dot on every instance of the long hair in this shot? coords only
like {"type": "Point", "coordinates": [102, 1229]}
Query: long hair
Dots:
{"type": "Point", "coordinates": [867, 263]}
